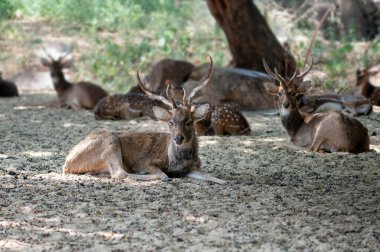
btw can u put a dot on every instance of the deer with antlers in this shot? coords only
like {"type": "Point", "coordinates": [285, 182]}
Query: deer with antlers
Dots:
{"type": "Point", "coordinates": [74, 96]}
{"type": "Point", "coordinates": [147, 155]}
{"type": "Point", "coordinates": [331, 131]}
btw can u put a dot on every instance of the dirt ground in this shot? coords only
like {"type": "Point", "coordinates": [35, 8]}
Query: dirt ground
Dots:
{"type": "Point", "coordinates": [279, 198]}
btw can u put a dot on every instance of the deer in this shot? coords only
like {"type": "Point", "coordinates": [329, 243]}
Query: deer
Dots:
{"type": "Point", "coordinates": [75, 96]}
{"type": "Point", "coordinates": [349, 104]}
{"type": "Point", "coordinates": [7, 88]}
{"type": "Point", "coordinates": [366, 88]}
{"type": "Point", "coordinates": [220, 119]}
{"type": "Point", "coordinates": [331, 131]}
{"type": "Point", "coordinates": [147, 155]}
{"type": "Point", "coordinates": [125, 107]}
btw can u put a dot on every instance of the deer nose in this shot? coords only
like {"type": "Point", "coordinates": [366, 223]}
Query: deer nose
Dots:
{"type": "Point", "coordinates": [286, 105]}
{"type": "Point", "coordinates": [178, 139]}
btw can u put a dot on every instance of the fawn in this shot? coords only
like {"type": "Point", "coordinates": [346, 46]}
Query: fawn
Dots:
{"type": "Point", "coordinates": [219, 119]}
{"type": "Point", "coordinates": [75, 96]}
{"type": "Point", "coordinates": [332, 131]}
{"type": "Point", "coordinates": [7, 88]}
{"type": "Point", "coordinates": [147, 155]}
{"type": "Point", "coordinates": [125, 106]}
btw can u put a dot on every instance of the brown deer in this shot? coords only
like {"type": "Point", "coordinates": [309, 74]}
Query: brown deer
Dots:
{"type": "Point", "coordinates": [178, 71]}
{"type": "Point", "coordinates": [237, 87]}
{"type": "Point", "coordinates": [125, 106]}
{"type": "Point", "coordinates": [366, 88]}
{"type": "Point", "coordinates": [349, 104]}
{"type": "Point", "coordinates": [7, 88]}
{"type": "Point", "coordinates": [146, 155]}
{"type": "Point", "coordinates": [331, 131]}
{"type": "Point", "coordinates": [219, 119]}
{"type": "Point", "coordinates": [75, 96]}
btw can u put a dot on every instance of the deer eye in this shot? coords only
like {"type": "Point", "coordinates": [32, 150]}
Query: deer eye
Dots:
{"type": "Point", "coordinates": [189, 123]}
{"type": "Point", "coordinates": [170, 123]}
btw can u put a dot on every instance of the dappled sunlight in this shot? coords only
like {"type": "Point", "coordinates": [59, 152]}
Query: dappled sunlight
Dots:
{"type": "Point", "coordinates": [29, 107]}
{"type": "Point", "coordinates": [13, 244]}
{"type": "Point", "coordinates": [271, 139]}
{"type": "Point", "coordinates": [207, 142]}
{"type": "Point", "coordinates": [49, 232]}
{"type": "Point", "coordinates": [68, 125]}
{"type": "Point", "coordinates": [37, 153]}
{"type": "Point", "coordinates": [375, 148]}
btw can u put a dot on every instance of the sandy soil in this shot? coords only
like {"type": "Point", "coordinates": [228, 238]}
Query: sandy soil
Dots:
{"type": "Point", "coordinates": [279, 198]}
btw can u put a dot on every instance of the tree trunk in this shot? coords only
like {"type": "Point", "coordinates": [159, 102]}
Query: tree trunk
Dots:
{"type": "Point", "coordinates": [249, 36]}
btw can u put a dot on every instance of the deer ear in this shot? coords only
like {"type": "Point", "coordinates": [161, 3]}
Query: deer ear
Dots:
{"type": "Point", "coordinates": [67, 63]}
{"type": "Point", "coordinates": [302, 87]}
{"type": "Point", "coordinates": [162, 114]}
{"type": "Point", "coordinates": [271, 88]}
{"type": "Point", "coordinates": [45, 62]}
{"type": "Point", "coordinates": [199, 112]}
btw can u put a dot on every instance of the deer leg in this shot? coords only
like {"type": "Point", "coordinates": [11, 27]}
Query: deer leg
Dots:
{"type": "Point", "coordinates": [316, 145]}
{"type": "Point", "coordinates": [151, 172]}
{"type": "Point", "coordinates": [204, 176]}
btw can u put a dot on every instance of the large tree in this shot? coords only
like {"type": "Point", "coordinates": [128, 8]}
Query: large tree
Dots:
{"type": "Point", "coordinates": [249, 36]}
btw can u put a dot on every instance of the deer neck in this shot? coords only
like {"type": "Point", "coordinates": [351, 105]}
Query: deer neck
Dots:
{"type": "Point", "coordinates": [292, 120]}
{"type": "Point", "coordinates": [367, 89]}
{"type": "Point", "coordinates": [60, 83]}
{"type": "Point", "coordinates": [183, 158]}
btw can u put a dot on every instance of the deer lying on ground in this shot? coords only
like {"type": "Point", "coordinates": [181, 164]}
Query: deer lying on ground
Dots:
{"type": "Point", "coordinates": [349, 104]}
{"type": "Point", "coordinates": [125, 106]}
{"type": "Point", "coordinates": [331, 131]}
{"type": "Point", "coordinates": [178, 71]}
{"type": "Point", "coordinates": [219, 119]}
{"type": "Point", "coordinates": [233, 86]}
{"type": "Point", "coordinates": [366, 88]}
{"type": "Point", "coordinates": [146, 155]}
{"type": "Point", "coordinates": [7, 88]}
{"type": "Point", "coordinates": [75, 96]}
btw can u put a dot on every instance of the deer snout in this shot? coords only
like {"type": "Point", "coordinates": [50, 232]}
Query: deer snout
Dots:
{"type": "Point", "coordinates": [178, 139]}
{"type": "Point", "coordinates": [285, 105]}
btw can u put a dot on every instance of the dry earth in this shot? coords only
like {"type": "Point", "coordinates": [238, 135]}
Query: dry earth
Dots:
{"type": "Point", "coordinates": [279, 198]}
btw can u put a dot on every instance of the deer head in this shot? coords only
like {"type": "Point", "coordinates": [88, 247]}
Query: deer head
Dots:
{"type": "Point", "coordinates": [56, 65]}
{"type": "Point", "coordinates": [290, 89]}
{"type": "Point", "coordinates": [180, 118]}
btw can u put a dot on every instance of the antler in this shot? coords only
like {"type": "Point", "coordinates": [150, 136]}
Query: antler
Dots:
{"type": "Point", "coordinates": [154, 96]}
{"type": "Point", "coordinates": [202, 85]}
{"type": "Point", "coordinates": [52, 58]}
{"type": "Point", "coordinates": [281, 79]}
{"type": "Point", "coordinates": [47, 53]}
{"type": "Point", "coordinates": [307, 70]}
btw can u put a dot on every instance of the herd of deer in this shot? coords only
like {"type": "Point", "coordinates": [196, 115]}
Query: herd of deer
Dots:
{"type": "Point", "coordinates": [152, 155]}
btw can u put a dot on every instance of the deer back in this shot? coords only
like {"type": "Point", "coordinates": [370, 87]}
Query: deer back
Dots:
{"type": "Point", "coordinates": [177, 71]}
{"type": "Point", "coordinates": [7, 88]}
{"type": "Point", "coordinates": [233, 86]}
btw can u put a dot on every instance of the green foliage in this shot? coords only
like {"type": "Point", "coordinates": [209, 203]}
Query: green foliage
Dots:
{"type": "Point", "coordinates": [128, 35]}
{"type": "Point", "coordinates": [6, 9]}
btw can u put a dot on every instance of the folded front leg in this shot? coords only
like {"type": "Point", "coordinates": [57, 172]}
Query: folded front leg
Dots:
{"type": "Point", "coordinates": [151, 172]}
{"type": "Point", "coordinates": [204, 176]}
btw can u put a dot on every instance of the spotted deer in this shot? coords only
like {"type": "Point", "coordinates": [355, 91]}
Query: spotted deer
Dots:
{"type": "Point", "coordinates": [331, 131]}
{"type": "Point", "coordinates": [7, 88]}
{"type": "Point", "coordinates": [219, 119]}
{"type": "Point", "coordinates": [125, 106]}
{"type": "Point", "coordinates": [147, 155]}
{"type": "Point", "coordinates": [74, 96]}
